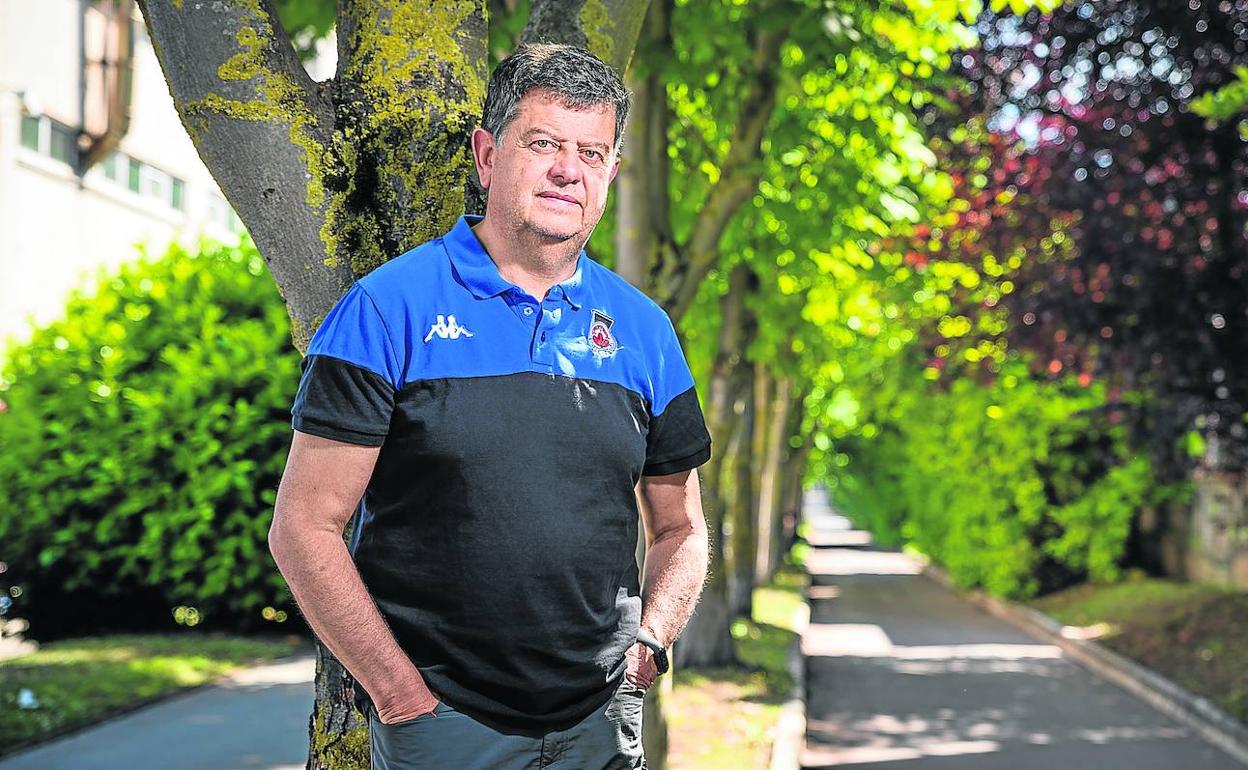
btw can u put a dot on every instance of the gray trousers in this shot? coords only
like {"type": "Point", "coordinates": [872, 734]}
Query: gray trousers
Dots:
{"type": "Point", "coordinates": [608, 739]}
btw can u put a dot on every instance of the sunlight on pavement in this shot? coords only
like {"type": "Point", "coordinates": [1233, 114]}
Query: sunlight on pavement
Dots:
{"type": "Point", "coordinates": [868, 640]}
{"type": "Point", "coordinates": [818, 756]}
{"type": "Point", "coordinates": [851, 562]}
{"type": "Point", "coordinates": [290, 672]}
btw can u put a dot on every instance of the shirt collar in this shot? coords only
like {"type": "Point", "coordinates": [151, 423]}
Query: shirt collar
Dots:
{"type": "Point", "coordinates": [480, 275]}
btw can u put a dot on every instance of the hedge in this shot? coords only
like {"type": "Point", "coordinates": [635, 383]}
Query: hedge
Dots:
{"type": "Point", "coordinates": [143, 439]}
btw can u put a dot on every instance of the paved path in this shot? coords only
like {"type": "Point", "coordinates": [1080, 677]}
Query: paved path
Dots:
{"type": "Point", "coordinates": [258, 720]}
{"type": "Point", "coordinates": [902, 674]}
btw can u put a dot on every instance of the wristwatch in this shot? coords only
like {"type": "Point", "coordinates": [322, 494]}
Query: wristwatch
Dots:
{"type": "Point", "coordinates": [660, 652]}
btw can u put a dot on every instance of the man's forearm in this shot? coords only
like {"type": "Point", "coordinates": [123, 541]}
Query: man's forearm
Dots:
{"type": "Point", "coordinates": [675, 572]}
{"type": "Point", "coordinates": [333, 598]}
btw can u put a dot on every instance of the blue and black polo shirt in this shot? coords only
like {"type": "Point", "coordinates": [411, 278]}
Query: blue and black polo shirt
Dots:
{"type": "Point", "coordinates": [498, 531]}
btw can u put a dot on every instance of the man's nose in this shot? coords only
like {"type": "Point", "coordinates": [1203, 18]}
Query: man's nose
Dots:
{"type": "Point", "coordinates": [566, 168]}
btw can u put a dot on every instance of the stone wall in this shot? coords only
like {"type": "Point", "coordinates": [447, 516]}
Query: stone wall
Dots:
{"type": "Point", "coordinates": [1204, 537]}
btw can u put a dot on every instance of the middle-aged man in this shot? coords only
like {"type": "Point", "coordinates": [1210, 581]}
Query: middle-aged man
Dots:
{"type": "Point", "coordinates": [495, 397]}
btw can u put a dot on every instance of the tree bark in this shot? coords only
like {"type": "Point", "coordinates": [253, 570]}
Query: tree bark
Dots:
{"type": "Point", "coordinates": [739, 482]}
{"type": "Point", "coordinates": [793, 474]}
{"type": "Point", "coordinates": [707, 640]}
{"type": "Point", "coordinates": [769, 509]}
{"type": "Point", "coordinates": [332, 179]}
{"type": "Point", "coordinates": [264, 130]}
{"type": "Point", "coordinates": [642, 203]}
{"type": "Point", "coordinates": [742, 460]}
{"type": "Point", "coordinates": [606, 28]}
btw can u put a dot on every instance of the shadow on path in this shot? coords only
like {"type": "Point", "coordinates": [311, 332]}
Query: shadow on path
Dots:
{"type": "Point", "coordinates": [903, 674]}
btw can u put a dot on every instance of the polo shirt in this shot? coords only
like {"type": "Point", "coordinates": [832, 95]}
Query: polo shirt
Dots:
{"type": "Point", "coordinates": [497, 533]}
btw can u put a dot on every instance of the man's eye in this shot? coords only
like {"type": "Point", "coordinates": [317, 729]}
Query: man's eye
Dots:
{"type": "Point", "coordinates": [593, 155]}
{"type": "Point", "coordinates": [543, 144]}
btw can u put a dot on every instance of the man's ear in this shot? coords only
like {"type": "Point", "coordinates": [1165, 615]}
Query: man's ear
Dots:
{"type": "Point", "coordinates": [615, 169]}
{"type": "Point", "coordinates": [483, 155]}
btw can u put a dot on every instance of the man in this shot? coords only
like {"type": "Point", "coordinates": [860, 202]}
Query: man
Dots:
{"type": "Point", "coordinates": [495, 397]}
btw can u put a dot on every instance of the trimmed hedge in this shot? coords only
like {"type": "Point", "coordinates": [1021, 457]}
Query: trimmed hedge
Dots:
{"type": "Point", "coordinates": [1020, 486]}
{"type": "Point", "coordinates": [143, 437]}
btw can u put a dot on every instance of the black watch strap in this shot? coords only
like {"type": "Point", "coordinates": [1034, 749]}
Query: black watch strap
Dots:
{"type": "Point", "coordinates": [660, 652]}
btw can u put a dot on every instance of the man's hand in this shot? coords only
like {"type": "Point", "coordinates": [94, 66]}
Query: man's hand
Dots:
{"type": "Point", "coordinates": [402, 710]}
{"type": "Point", "coordinates": [641, 670]}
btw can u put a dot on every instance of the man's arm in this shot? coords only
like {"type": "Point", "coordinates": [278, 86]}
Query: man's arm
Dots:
{"type": "Point", "coordinates": [676, 561]}
{"type": "Point", "coordinates": [322, 483]}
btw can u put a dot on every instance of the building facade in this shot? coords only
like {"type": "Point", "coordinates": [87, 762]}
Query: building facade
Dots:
{"type": "Point", "coordinates": [93, 157]}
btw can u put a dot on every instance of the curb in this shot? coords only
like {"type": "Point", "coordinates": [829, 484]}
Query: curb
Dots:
{"type": "Point", "coordinates": [786, 749]}
{"type": "Point", "coordinates": [1201, 715]}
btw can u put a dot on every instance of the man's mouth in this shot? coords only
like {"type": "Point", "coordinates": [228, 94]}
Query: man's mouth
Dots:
{"type": "Point", "coordinates": [558, 197]}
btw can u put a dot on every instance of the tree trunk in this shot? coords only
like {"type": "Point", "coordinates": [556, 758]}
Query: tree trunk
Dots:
{"type": "Point", "coordinates": [332, 179]}
{"type": "Point", "coordinates": [793, 475]}
{"type": "Point", "coordinates": [769, 512]}
{"type": "Point", "coordinates": [743, 454]}
{"type": "Point", "coordinates": [707, 640]}
{"type": "Point", "coordinates": [739, 493]}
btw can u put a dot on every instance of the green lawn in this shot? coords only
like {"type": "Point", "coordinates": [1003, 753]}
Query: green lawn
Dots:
{"type": "Point", "coordinates": [1192, 633]}
{"type": "Point", "coordinates": [726, 717]}
{"type": "Point", "coordinates": [80, 681]}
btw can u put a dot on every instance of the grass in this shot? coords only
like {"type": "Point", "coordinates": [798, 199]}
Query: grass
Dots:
{"type": "Point", "coordinates": [81, 681]}
{"type": "Point", "coordinates": [721, 718]}
{"type": "Point", "coordinates": [1191, 633]}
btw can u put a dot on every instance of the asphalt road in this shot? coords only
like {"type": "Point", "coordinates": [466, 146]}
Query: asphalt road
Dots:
{"type": "Point", "coordinates": [902, 674]}
{"type": "Point", "coordinates": [258, 720]}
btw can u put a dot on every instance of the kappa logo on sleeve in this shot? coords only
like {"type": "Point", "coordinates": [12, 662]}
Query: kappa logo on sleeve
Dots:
{"type": "Point", "coordinates": [448, 329]}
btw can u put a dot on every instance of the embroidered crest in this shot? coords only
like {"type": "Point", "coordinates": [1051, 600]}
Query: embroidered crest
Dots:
{"type": "Point", "coordinates": [601, 341]}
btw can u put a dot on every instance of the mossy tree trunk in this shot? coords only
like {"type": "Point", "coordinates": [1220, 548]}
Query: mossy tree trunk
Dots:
{"type": "Point", "coordinates": [334, 178]}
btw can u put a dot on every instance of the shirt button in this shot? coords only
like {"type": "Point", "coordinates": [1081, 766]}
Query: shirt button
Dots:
{"type": "Point", "coordinates": [543, 336]}
{"type": "Point", "coordinates": [528, 310]}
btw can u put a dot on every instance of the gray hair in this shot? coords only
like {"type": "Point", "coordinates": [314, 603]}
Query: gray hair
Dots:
{"type": "Point", "coordinates": [576, 77]}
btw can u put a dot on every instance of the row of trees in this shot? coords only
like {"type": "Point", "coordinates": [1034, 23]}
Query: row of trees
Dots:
{"type": "Point", "coordinates": [869, 223]}
{"type": "Point", "coordinates": [770, 142]}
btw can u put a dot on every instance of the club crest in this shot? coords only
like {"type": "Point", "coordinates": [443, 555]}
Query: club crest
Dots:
{"type": "Point", "coordinates": [601, 341]}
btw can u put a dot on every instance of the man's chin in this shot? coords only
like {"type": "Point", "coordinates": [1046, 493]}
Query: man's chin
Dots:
{"type": "Point", "coordinates": [552, 233]}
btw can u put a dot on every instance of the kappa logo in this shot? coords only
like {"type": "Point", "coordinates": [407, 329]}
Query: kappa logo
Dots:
{"type": "Point", "coordinates": [447, 328]}
{"type": "Point", "coordinates": [601, 341]}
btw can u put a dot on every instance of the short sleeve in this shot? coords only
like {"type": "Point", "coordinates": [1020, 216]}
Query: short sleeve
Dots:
{"type": "Point", "coordinates": [350, 375]}
{"type": "Point", "coordinates": [677, 439]}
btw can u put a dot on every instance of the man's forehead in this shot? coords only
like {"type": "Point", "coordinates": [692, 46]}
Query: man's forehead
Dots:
{"type": "Point", "coordinates": [538, 104]}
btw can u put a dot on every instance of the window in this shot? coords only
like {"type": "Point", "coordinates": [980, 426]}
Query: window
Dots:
{"type": "Point", "coordinates": [144, 179]}
{"type": "Point", "coordinates": [30, 132]}
{"type": "Point", "coordinates": [136, 176]}
{"type": "Point", "coordinates": [50, 137]}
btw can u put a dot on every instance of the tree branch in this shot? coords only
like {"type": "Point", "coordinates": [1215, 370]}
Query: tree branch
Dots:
{"type": "Point", "coordinates": [262, 128]}
{"type": "Point", "coordinates": [607, 28]}
{"type": "Point", "coordinates": [677, 284]}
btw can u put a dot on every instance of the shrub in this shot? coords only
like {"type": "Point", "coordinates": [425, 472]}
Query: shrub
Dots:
{"type": "Point", "coordinates": [1019, 486]}
{"type": "Point", "coordinates": [143, 436]}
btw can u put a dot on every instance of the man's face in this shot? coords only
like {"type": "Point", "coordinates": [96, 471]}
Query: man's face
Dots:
{"type": "Point", "coordinates": [550, 171]}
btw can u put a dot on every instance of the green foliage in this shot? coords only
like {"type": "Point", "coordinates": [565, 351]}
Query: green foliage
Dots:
{"type": "Point", "coordinates": [1226, 102]}
{"type": "Point", "coordinates": [307, 21]}
{"type": "Point", "coordinates": [1018, 485]}
{"type": "Point", "coordinates": [143, 438]}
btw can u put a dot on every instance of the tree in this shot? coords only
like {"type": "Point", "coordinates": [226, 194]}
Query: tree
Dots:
{"type": "Point", "coordinates": [1104, 96]}
{"type": "Point", "coordinates": [334, 178]}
